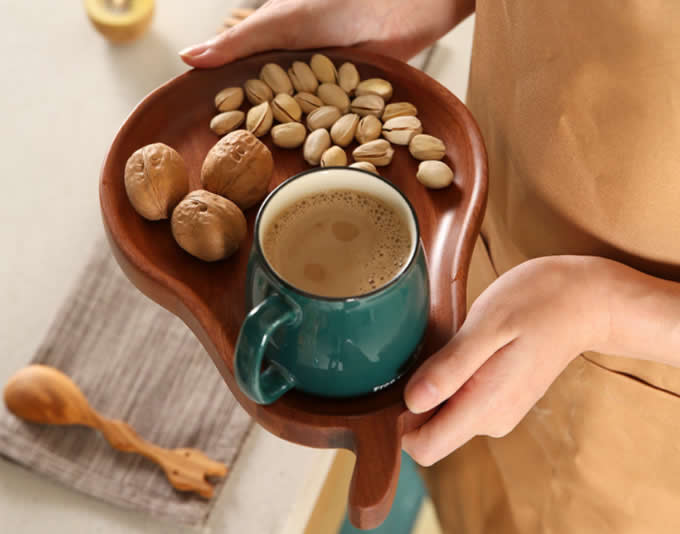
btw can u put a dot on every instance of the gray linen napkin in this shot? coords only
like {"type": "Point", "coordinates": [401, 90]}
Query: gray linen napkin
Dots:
{"type": "Point", "coordinates": [136, 362]}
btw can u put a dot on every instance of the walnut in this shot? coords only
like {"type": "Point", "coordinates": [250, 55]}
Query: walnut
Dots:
{"type": "Point", "coordinates": [208, 226]}
{"type": "Point", "coordinates": [239, 167]}
{"type": "Point", "coordinates": [156, 179]}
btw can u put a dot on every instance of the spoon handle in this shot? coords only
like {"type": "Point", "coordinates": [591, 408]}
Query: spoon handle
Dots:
{"type": "Point", "coordinates": [186, 469]}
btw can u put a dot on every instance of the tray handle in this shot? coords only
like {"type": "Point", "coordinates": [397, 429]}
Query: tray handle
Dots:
{"type": "Point", "coordinates": [377, 446]}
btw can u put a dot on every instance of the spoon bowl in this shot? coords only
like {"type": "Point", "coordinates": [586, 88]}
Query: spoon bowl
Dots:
{"type": "Point", "coordinates": [42, 394]}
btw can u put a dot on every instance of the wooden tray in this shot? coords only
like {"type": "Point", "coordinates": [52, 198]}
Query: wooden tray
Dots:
{"type": "Point", "coordinates": [210, 297]}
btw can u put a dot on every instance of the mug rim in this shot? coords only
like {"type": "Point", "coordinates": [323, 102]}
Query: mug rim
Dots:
{"type": "Point", "coordinates": [270, 270]}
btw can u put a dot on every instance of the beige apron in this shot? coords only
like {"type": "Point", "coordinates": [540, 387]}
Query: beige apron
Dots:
{"type": "Point", "coordinates": [579, 104]}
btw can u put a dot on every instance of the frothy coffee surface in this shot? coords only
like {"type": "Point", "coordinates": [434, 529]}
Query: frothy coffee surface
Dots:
{"type": "Point", "coordinates": [340, 243]}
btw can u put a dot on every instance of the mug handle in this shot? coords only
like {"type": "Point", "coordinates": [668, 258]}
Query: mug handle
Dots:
{"type": "Point", "coordinates": [260, 324]}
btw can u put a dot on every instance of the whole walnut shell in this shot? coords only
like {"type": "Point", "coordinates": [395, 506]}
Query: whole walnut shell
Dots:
{"type": "Point", "coordinates": [156, 179]}
{"type": "Point", "coordinates": [239, 167]}
{"type": "Point", "coordinates": [208, 226]}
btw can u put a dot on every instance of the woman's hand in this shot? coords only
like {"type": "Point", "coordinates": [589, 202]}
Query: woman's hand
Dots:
{"type": "Point", "coordinates": [398, 28]}
{"type": "Point", "coordinates": [518, 336]}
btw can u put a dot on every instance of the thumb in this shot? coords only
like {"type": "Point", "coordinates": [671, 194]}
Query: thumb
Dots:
{"type": "Point", "coordinates": [443, 373]}
{"type": "Point", "coordinates": [266, 29]}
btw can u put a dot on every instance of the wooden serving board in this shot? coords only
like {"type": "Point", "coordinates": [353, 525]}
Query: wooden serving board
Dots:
{"type": "Point", "coordinates": [209, 297]}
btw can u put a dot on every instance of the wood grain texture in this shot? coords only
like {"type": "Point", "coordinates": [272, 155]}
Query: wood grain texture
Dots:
{"type": "Point", "coordinates": [45, 395]}
{"type": "Point", "coordinates": [187, 469]}
{"type": "Point", "coordinates": [210, 297]}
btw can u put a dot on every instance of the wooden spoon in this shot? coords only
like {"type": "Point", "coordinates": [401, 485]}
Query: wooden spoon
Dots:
{"type": "Point", "coordinates": [42, 394]}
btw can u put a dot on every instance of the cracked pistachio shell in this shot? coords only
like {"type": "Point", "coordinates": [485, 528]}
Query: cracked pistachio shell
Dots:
{"type": "Point", "coordinates": [399, 109]}
{"type": "Point", "coordinates": [259, 119]}
{"type": "Point", "coordinates": [400, 130]}
{"type": "Point", "coordinates": [344, 129]}
{"type": "Point", "coordinates": [323, 69]}
{"type": "Point", "coordinates": [348, 77]}
{"type": "Point", "coordinates": [333, 157]}
{"type": "Point", "coordinates": [424, 147]}
{"type": "Point", "coordinates": [368, 129]}
{"type": "Point", "coordinates": [302, 77]}
{"type": "Point", "coordinates": [365, 166]}
{"type": "Point", "coordinates": [257, 92]}
{"type": "Point", "coordinates": [276, 78]}
{"type": "Point", "coordinates": [434, 174]}
{"type": "Point", "coordinates": [226, 122]}
{"type": "Point", "coordinates": [289, 134]}
{"type": "Point", "coordinates": [315, 145]}
{"type": "Point", "coordinates": [378, 152]}
{"type": "Point", "coordinates": [285, 108]}
{"type": "Point", "coordinates": [368, 105]}
{"type": "Point", "coordinates": [229, 99]}
{"type": "Point", "coordinates": [333, 95]}
{"type": "Point", "coordinates": [375, 86]}
{"type": "Point", "coordinates": [324, 117]}
{"type": "Point", "coordinates": [308, 102]}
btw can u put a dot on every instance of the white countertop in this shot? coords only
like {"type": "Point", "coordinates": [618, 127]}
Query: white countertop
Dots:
{"type": "Point", "coordinates": [64, 93]}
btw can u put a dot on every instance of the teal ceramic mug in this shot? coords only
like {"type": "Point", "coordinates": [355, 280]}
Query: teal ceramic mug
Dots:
{"type": "Point", "coordinates": [331, 347]}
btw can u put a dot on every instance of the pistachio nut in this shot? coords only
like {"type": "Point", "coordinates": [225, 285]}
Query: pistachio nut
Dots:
{"type": "Point", "coordinates": [276, 78]}
{"type": "Point", "coordinates": [323, 69]}
{"type": "Point", "coordinates": [308, 102]}
{"type": "Point", "coordinates": [257, 91]}
{"type": "Point", "coordinates": [226, 122]}
{"type": "Point", "coordinates": [324, 117]}
{"type": "Point", "coordinates": [348, 77]}
{"type": "Point", "coordinates": [315, 145]}
{"type": "Point", "coordinates": [368, 105]}
{"type": "Point", "coordinates": [259, 119]}
{"type": "Point", "coordinates": [229, 99]}
{"type": "Point", "coordinates": [368, 129]}
{"type": "Point", "coordinates": [333, 157]}
{"type": "Point", "coordinates": [343, 130]}
{"type": "Point", "coordinates": [434, 174]}
{"type": "Point", "coordinates": [424, 147]}
{"type": "Point", "coordinates": [333, 95]}
{"type": "Point", "coordinates": [375, 86]}
{"type": "Point", "coordinates": [365, 166]}
{"type": "Point", "coordinates": [289, 134]}
{"type": "Point", "coordinates": [378, 152]}
{"type": "Point", "coordinates": [302, 77]}
{"type": "Point", "coordinates": [399, 109]}
{"type": "Point", "coordinates": [285, 108]}
{"type": "Point", "coordinates": [400, 130]}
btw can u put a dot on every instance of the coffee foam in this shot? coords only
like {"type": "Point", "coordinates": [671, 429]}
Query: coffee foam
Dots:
{"type": "Point", "coordinates": [337, 243]}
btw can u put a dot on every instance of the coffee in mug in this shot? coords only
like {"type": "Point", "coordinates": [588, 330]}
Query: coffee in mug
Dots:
{"type": "Point", "coordinates": [337, 243]}
{"type": "Point", "coordinates": [337, 291]}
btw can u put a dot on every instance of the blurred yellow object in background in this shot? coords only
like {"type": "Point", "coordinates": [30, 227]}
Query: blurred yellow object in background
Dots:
{"type": "Point", "coordinates": [120, 21]}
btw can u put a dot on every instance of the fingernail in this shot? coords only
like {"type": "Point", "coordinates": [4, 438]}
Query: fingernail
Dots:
{"type": "Point", "coordinates": [421, 396]}
{"type": "Point", "coordinates": [195, 50]}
